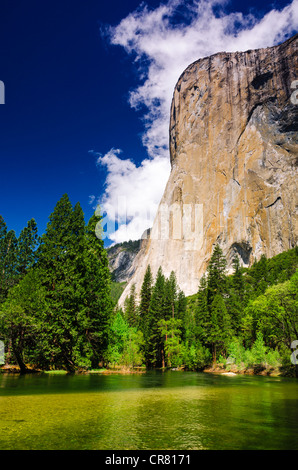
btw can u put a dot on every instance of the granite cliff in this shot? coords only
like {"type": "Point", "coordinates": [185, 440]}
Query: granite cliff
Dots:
{"type": "Point", "coordinates": [121, 260]}
{"type": "Point", "coordinates": [234, 153]}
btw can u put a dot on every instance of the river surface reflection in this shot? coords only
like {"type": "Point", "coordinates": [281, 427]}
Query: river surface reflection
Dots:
{"type": "Point", "coordinates": [156, 410]}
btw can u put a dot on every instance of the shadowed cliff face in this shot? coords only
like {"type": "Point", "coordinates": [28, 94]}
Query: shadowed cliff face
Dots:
{"type": "Point", "coordinates": [121, 260]}
{"type": "Point", "coordinates": [234, 152]}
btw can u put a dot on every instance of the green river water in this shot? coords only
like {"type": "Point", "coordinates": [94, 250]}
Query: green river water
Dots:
{"type": "Point", "coordinates": [154, 411]}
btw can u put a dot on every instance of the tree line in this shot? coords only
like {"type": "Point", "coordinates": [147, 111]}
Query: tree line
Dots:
{"type": "Point", "coordinates": [249, 317]}
{"type": "Point", "coordinates": [55, 292]}
{"type": "Point", "coordinates": [56, 308]}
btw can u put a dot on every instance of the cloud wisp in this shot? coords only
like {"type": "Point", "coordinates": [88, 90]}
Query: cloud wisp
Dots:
{"type": "Point", "coordinates": [132, 194]}
{"type": "Point", "coordinates": [162, 43]}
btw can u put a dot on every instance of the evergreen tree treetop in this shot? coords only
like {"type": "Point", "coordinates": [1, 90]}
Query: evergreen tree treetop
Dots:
{"type": "Point", "coordinates": [216, 274]}
{"type": "Point", "coordinates": [27, 244]}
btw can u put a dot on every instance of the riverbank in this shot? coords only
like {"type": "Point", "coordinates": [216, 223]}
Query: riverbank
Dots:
{"type": "Point", "coordinates": [157, 410]}
{"type": "Point", "coordinates": [221, 369]}
{"type": "Point", "coordinates": [13, 369]}
{"type": "Point", "coordinates": [268, 371]}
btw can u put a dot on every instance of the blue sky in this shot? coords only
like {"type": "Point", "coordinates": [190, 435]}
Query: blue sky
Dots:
{"type": "Point", "coordinates": [88, 86]}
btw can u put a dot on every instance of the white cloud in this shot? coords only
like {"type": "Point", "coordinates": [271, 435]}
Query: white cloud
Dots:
{"type": "Point", "coordinates": [132, 194]}
{"type": "Point", "coordinates": [91, 199]}
{"type": "Point", "coordinates": [162, 48]}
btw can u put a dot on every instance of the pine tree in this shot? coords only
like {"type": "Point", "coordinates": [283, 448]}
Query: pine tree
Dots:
{"type": "Point", "coordinates": [97, 291]}
{"type": "Point", "coordinates": [16, 255]}
{"type": "Point", "coordinates": [131, 309]}
{"type": "Point", "coordinates": [220, 330]}
{"type": "Point", "coordinates": [10, 263]}
{"type": "Point", "coordinates": [73, 276]}
{"type": "Point", "coordinates": [237, 279]}
{"type": "Point", "coordinates": [57, 244]}
{"type": "Point", "coordinates": [171, 296]}
{"type": "Point", "coordinates": [214, 323]}
{"type": "Point", "coordinates": [154, 348]}
{"type": "Point", "coordinates": [26, 250]}
{"type": "Point", "coordinates": [181, 313]}
{"type": "Point", "coordinates": [146, 292]}
{"type": "Point", "coordinates": [75, 272]}
{"type": "Point", "coordinates": [236, 298]}
{"type": "Point", "coordinates": [216, 281]}
{"type": "Point", "coordinates": [58, 266]}
{"type": "Point", "coordinates": [202, 313]}
{"type": "Point", "coordinates": [171, 333]}
{"type": "Point", "coordinates": [3, 233]}
{"type": "Point", "coordinates": [22, 319]}
{"type": "Point", "coordinates": [260, 274]}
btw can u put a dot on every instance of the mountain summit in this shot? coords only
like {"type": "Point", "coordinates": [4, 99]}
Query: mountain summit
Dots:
{"type": "Point", "coordinates": [233, 149]}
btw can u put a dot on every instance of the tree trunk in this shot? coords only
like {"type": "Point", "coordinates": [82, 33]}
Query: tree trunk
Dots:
{"type": "Point", "coordinates": [214, 353]}
{"type": "Point", "coordinates": [9, 353]}
{"type": "Point", "coordinates": [20, 361]}
{"type": "Point", "coordinates": [163, 358]}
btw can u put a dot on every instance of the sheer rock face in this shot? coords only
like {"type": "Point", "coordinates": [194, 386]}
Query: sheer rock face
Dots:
{"type": "Point", "coordinates": [234, 153]}
{"type": "Point", "coordinates": [120, 264]}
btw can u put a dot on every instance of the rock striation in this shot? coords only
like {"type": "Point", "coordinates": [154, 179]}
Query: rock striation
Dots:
{"type": "Point", "coordinates": [121, 260]}
{"type": "Point", "coordinates": [234, 154]}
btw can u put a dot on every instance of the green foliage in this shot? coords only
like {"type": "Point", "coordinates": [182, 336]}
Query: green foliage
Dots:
{"type": "Point", "coordinates": [131, 309]}
{"type": "Point", "coordinates": [59, 314]}
{"type": "Point", "coordinates": [220, 330]}
{"type": "Point", "coordinates": [22, 318]}
{"type": "Point", "coordinates": [116, 291]}
{"type": "Point", "coordinates": [213, 321]}
{"type": "Point", "coordinates": [259, 355]}
{"type": "Point", "coordinates": [119, 334]}
{"type": "Point", "coordinates": [26, 247]}
{"type": "Point", "coordinates": [97, 302]}
{"type": "Point", "coordinates": [132, 246]}
{"type": "Point", "coordinates": [132, 353]}
{"type": "Point", "coordinates": [125, 346]}
{"type": "Point", "coordinates": [8, 261]}
{"type": "Point", "coordinates": [160, 317]}
{"type": "Point", "coordinates": [229, 313]}
{"type": "Point", "coordinates": [170, 333]}
{"type": "Point", "coordinates": [146, 293]}
{"type": "Point", "coordinates": [275, 312]}
{"type": "Point", "coordinates": [56, 305]}
{"type": "Point", "coordinates": [196, 356]}
{"type": "Point", "coordinates": [154, 351]}
{"type": "Point", "coordinates": [236, 351]}
{"type": "Point", "coordinates": [216, 274]}
{"type": "Point", "coordinates": [17, 255]}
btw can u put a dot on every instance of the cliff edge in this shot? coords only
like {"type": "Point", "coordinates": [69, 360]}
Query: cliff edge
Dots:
{"type": "Point", "coordinates": [234, 154]}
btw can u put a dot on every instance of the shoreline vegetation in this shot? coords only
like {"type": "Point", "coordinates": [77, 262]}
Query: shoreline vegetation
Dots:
{"type": "Point", "coordinates": [57, 311]}
{"type": "Point", "coordinates": [218, 368]}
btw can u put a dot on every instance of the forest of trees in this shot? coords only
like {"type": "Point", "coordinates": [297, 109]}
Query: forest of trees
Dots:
{"type": "Point", "coordinates": [57, 311]}
{"type": "Point", "coordinates": [55, 292]}
{"type": "Point", "coordinates": [249, 318]}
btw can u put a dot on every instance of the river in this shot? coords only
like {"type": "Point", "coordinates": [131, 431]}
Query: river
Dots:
{"type": "Point", "coordinates": [152, 411]}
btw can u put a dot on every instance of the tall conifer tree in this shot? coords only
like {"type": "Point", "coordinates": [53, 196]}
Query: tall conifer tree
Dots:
{"type": "Point", "coordinates": [3, 232]}
{"type": "Point", "coordinates": [74, 269]}
{"type": "Point", "coordinates": [146, 292]}
{"type": "Point", "coordinates": [216, 281]}
{"type": "Point", "coordinates": [27, 244]}
{"type": "Point", "coordinates": [98, 290]}
{"type": "Point", "coordinates": [155, 347]}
